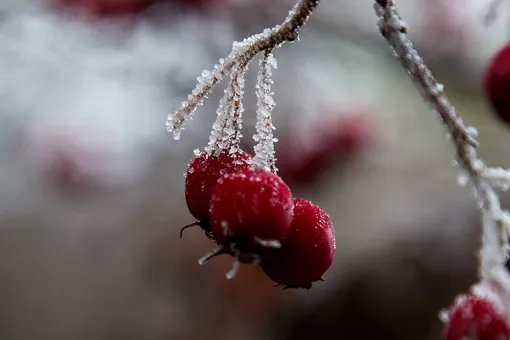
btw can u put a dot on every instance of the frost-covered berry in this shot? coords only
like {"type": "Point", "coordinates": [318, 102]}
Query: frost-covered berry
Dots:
{"type": "Point", "coordinates": [307, 252]}
{"type": "Point", "coordinates": [251, 205]}
{"type": "Point", "coordinates": [201, 176]}
{"type": "Point", "coordinates": [476, 317]}
{"type": "Point", "coordinates": [497, 83]}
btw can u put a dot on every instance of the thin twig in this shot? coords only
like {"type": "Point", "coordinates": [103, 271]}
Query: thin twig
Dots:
{"type": "Point", "coordinates": [495, 236]}
{"type": "Point", "coordinates": [264, 146]}
{"type": "Point", "coordinates": [241, 52]}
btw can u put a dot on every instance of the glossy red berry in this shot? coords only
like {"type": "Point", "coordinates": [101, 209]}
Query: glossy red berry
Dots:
{"type": "Point", "coordinates": [202, 174]}
{"type": "Point", "coordinates": [476, 317]}
{"type": "Point", "coordinates": [308, 251]}
{"type": "Point", "coordinates": [251, 205]}
{"type": "Point", "coordinates": [497, 83]}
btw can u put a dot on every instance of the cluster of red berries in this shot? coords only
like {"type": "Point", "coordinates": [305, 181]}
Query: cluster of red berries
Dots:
{"type": "Point", "coordinates": [477, 317]}
{"type": "Point", "coordinates": [251, 214]}
{"type": "Point", "coordinates": [497, 83]}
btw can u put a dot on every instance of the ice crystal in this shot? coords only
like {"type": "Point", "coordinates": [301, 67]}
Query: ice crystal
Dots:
{"type": "Point", "coordinates": [264, 148]}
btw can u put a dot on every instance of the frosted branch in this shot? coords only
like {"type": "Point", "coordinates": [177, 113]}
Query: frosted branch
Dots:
{"type": "Point", "coordinates": [264, 147]}
{"type": "Point", "coordinates": [242, 52]}
{"type": "Point", "coordinates": [495, 236]}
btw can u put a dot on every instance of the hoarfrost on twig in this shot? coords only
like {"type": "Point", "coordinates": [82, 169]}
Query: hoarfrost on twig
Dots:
{"type": "Point", "coordinates": [226, 130]}
{"type": "Point", "coordinates": [498, 177]}
{"type": "Point", "coordinates": [242, 52]}
{"type": "Point", "coordinates": [264, 147]}
{"type": "Point", "coordinates": [493, 254]}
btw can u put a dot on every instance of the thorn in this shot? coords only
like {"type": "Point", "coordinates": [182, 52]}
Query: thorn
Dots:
{"type": "Point", "coordinates": [188, 226]}
{"type": "Point", "coordinates": [218, 251]}
{"type": "Point", "coordinates": [321, 279]}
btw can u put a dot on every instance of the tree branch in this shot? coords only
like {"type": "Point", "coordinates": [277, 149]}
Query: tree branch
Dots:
{"type": "Point", "coordinates": [495, 236]}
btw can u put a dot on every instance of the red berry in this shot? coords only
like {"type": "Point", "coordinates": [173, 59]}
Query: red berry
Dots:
{"type": "Point", "coordinates": [497, 83]}
{"type": "Point", "coordinates": [308, 251]}
{"type": "Point", "coordinates": [335, 140]}
{"type": "Point", "coordinates": [251, 205]}
{"type": "Point", "coordinates": [476, 317]}
{"type": "Point", "coordinates": [202, 174]}
{"type": "Point", "coordinates": [105, 8]}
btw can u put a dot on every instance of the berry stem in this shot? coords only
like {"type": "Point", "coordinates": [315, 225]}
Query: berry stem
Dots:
{"type": "Point", "coordinates": [495, 236]}
{"type": "Point", "coordinates": [242, 52]}
{"type": "Point", "coordinates": [264, 147]}
{"type": "Point", "coordinates": [226, 132]}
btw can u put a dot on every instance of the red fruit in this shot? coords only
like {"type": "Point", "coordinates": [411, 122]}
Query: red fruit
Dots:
{"type": "Point", "coordinates": [251, 205]}
{"type": "Point", "coordinates": [308, 251]}
{"type": "Point", "coordinates": [105, 8]}
{"type": "Point", "coordinates": [335, 140]}
{"type": "Point", "coordinates": [497, 83]}
{"type": "Point", "coordinates": [476, 317]}
{"type": "Point", "coordinates": [202, 174]}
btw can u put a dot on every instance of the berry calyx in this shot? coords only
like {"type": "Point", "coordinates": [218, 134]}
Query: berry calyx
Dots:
{"type": "Point", "coordinates": [497, 83]}
{"type": "Point", "coordinates": [201, 176]}
{"type": "Point", "coordinates": [252, 206]}
{"type": "Point", "coordinates": [476, 317]}
{"type": "Point", "coordinates": [307, 252]}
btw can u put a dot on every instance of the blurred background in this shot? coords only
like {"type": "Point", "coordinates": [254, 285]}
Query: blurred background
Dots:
{"type": "Point", "coordinates": [91, 184]}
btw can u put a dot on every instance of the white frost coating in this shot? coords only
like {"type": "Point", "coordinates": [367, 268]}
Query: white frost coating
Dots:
{"type": "Point", "coordinates": [264, 147]}
{"type": "Point", "coordinates": [233, 272]}
{"type": "Point", "coordinates": [226, 130]}
{"type": "Point", "coordinates": [175, 122]}
{"type": "Point", "coordinates": [268, 243]}
{"type": "Point", "coordinates": [240, 54]}
{"type": "Point", "coordinates": [499, 177]}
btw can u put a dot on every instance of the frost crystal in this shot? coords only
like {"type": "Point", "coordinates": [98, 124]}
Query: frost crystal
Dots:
{"type": "Point", "coordinates": [226, 131]}
{"type": "Point", "coordinates": [264, 148]}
